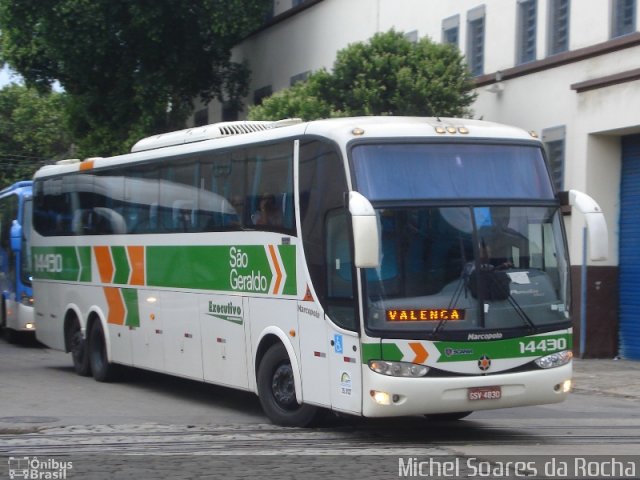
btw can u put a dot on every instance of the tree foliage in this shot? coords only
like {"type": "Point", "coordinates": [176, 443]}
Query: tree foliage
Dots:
{"type": "Point", "coordinates": [32, 131]}
{"type": "Point", "coordinates": [130, 68]}
{"type": "Point", "coordinates": [389, 75]}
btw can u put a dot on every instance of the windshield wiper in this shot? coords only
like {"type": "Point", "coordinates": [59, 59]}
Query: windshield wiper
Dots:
{"type": "Point", "coordinates": [454, 300]}
{"type": "Point", "coordinates": [506, 291]}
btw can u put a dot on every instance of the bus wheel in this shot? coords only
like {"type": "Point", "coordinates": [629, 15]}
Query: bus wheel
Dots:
{"type": "Point", "coordinates": [78, 348]}
{"type": "Point", "coordinates": [102, 369]}
{"type": "Point", "coordinates": [447, 417]}
{"type": "Point", "coordinates": [276, 390]}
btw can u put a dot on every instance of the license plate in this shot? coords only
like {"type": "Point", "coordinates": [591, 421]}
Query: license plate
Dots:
{"type": "Point", "coordinates": [484, 393]}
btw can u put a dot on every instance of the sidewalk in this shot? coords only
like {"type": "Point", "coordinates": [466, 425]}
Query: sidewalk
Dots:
{"type": "Point", "coordinates": [619, 378]}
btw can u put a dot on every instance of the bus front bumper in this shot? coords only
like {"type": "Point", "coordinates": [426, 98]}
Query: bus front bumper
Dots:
{"type": "Point", "coordinates": [24, 319]}
{"type": "Point", "coordinates": [385, 396]}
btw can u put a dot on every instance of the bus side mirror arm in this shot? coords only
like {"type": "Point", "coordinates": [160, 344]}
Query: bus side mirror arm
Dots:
{"type": "Point", "coordinates": [366, 235]}
{"type": "Point", "coordinates": [16, 236]}
{"type": "Point", "coordinates": [596, 224]}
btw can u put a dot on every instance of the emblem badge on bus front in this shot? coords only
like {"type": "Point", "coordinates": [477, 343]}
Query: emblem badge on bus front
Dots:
{"type": "Point", "coordinates": [484, 363]}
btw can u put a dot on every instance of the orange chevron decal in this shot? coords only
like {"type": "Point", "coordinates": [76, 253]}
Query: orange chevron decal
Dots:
{"type": "Point", "coordinates": [117, 310]}
{"type": "Point", "coordinates": [419, 350]}
{"type": "Point", "coordinates": [276, 265]}
{"type": "Point", "coordinates": [105, 264]}
{"type": "Point", "coordinates": [136, 260]}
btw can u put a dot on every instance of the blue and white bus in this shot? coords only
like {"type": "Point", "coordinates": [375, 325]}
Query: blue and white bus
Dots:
{"type": "Point", "coordinates": [15, 259]}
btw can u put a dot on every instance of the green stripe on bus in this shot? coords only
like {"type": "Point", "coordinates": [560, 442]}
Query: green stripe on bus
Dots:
{"type": "Point", "coordinates": [288, 255]}
{"type": "Point", "coordinates": [534, 346]}
{"type": "Point", "coordinates": [242, 268]}
{"type": "Point", "coordinates": [66, 264]}
{"type": "Point", "coordinates": [121, 264]}
{"type": "Point", "coordinates": [84, 255]}
{"type": "Point", "coordinates": [381, 351]}
{"type": "Point", "coordinates": [130, 297]}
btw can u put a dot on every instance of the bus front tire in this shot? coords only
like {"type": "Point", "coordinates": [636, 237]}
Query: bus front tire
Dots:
{"type": "Point", "coordinates": [78, 348]}
{"type": "Point", "coordinates": [102, 369]}
{"type": "Point", "coordinates": [276, 391]}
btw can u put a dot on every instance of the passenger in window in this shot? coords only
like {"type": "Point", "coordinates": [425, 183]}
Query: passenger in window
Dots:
{"type": "Point", "coordinates": [268, 212]}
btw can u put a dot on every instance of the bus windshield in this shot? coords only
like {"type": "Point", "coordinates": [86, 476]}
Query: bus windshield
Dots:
{"type": "Point", "coordinates": [451, 171]}
{"type": "Point", "coordinates": [454, 267]}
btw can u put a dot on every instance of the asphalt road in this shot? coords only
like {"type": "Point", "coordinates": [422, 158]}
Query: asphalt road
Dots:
{"type": "Point", "coordinates": [154, 426]}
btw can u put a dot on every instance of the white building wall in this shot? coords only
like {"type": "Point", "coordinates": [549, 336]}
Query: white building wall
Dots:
{"type": "Point", "coordinates": [594, 120]}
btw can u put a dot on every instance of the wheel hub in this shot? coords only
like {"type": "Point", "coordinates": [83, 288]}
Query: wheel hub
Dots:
{"type": "Point", "coordinates": [283, 387]}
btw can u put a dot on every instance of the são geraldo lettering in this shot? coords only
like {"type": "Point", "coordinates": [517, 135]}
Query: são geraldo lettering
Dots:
{"type": "Point", "coordinates": [254, 281]}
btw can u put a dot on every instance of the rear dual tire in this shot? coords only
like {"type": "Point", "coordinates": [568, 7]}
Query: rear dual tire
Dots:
{"type": "Point", "coordinates": [78, 348]}
{"type": "Point", "coordinates": [101, 368]}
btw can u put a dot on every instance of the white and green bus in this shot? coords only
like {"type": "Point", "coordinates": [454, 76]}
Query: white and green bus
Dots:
{"type": "Point", "coordinates": [375, 266]}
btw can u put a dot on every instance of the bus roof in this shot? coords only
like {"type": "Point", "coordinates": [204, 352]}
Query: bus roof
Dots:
{"type": "Point", "coordinates": [18, 186]}
{"type": "Point", "coordinates": [341, 130]}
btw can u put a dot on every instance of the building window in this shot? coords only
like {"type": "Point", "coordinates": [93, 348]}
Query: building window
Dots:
{"type": "Point", "coordinates": [623, 17]}
{"type": "Point", "coordinates": [475, 40]}
{"type": "Point", "coordinates": [558, 26]}
{"type": "Point", "coordinates": [301, 77]}
{"type": "Point", "coordinates": [229, 112]}
{"type": "Point", "coordinates": [201, 117]}
{"type": "Point", "coordinates": [260, 94]}
{"type": "Point", "coordinates": [554, 142]}
{"type": "Point", "coordinates": [527, 19]}
{"type": "Point", "coordinates": [451, 30]}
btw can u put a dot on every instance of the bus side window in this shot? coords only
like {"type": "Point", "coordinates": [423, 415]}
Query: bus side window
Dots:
{"type": "Point", "coordinates": [183, 215]}
{"type": "Point", "coordinates": [108, 221]}
{"type": "Point", "coordinates": [81, 222]}
{"type": "Point", "coordinates": [270, 180]}
{"type": "Point", "coordinates": [339, 263]}
{"type": "Point", "coordinates": [339, 271]}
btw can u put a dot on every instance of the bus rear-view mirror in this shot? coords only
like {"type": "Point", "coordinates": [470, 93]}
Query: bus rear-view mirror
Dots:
{"type": "Point", "coordinates": [366, 236]}
{"type": "Point", "coordinates": [598, 236]}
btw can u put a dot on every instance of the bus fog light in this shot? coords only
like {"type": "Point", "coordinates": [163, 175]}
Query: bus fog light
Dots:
{"type": "Point", "coordinates": [381, 398]}
{"type": "Point", "coordinates": [398, 369]}
{"type": "Point", "coordinates": [555, 359]}
{"type": "Point", "coordinates": [29, 326]}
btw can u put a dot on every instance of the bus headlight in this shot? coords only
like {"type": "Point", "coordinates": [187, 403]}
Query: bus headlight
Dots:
{"type": "Point", "coordinates": [398, 369]}
{"type": "Point", "coordinates": [26, 300]}
{"type": "Point", "coordinates": [555, 359]}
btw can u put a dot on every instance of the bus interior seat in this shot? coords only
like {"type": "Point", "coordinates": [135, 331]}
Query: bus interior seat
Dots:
{"type": "Point", "coordinates": [82, 222]}
{"type": "Point", "coordinates": [183, 215]}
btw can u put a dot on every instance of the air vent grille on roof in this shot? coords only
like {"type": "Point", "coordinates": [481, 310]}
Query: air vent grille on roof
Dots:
{"type": "Point", "coordinates": [238, 129]}
{"type": "Point", "coordinates": [208, 132]}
